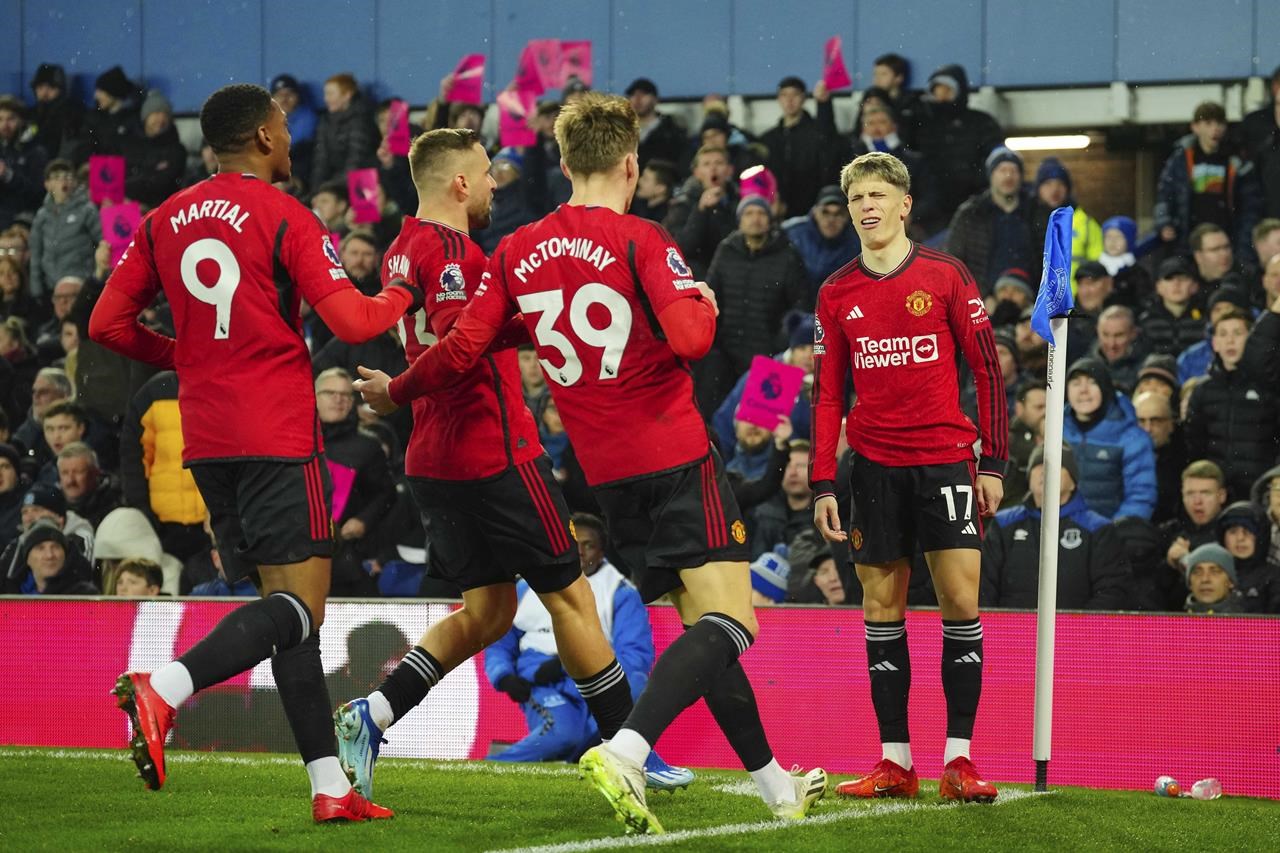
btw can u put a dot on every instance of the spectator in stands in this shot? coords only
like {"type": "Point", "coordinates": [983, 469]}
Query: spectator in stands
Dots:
{"type": "Point", "coordinates": [20, 356]}
{"type": "Point", "coordinates": [49, 334]}
{"type": "Point", "coordinates": [393, 169]}
{"type": "Point", "coordinates": [206, 167]}
{"type": "Point", "coordinates": [815, 577]}
{"type": "Point", "coordinates": [47, 564]}
{"type": "Point", "coordinates": [1233, 417]}
{"type": "Point", "coordinates": [1025, 435]}
{"type": "Point", "coordinates": [1119, 346]}
{"type": "Point", "coordinates": [1266, 246]}
{"type": "Point", "coordinates": [805, 153]}
{"type": "Point", "coordinates": [292, 98]}
{"type": "Point", "coordinates": [770, 577]}
{"type": "Point", "coordinates": [1115, 457]}
{"type": "Point", "coordinates": [371, 490]}
{"type": "Point", "coordinates": [880, 129]}
{"type": "Point", "coordinates": [1259, 136]}
{"type": "Point", "coordinates": [1001, 227]}
{"type": "Point", "coordinates": [89, 491]}
{"type": "Point", "coordinates": [1093, 573]}
{"type": "Point", "coordinates": [799, 353]}
{"type": "Point", "coordinates": [1011, 295]}
{"type": "Point", "coordinates": [1119, 237]}
{"type": "Point", "coordinates": [116, 117]}
{"type": "Point", "coordinates": [359, 254]}
{"type": "Point", "coordinates": [15, 295]}
{"type": "Point", "coordinates": [1158, 373]}
{"type": "Point", "coordinates": [345, 135]}
{"type": "Point", "coordinates": [65, 233]}
{"type": "Point", "coordinates": [330, 203]}
{"type": "Point", "coordinates": [1266, 494]}
{"type": "Point", "coordinates": [533, 380]}
{"type": "Point", "coordinates": [103, 379]}
{"type": "Point", "coordinates": [1215, 262]}
{"type": "Point", "coordinates": [750, 453]}
{"type": "Point", "coordinates": [1244, 531]}
{"type": "Point", "coordinates": [43, 501]}
{"type": "Point", "coordinates": [954, 141]}
{"type": "Point", "coordinates": [1212, 581]}
{"type": "Point", "coordinates": [1094, 289]}
{"type": "Point", "coordinates": [779, 520]}
{"type": "Point", "coordinates": [1053, 186]}
{"type": "Point", "coordinates": [125, 534]}
{"type": "Point", "coordinates": [50, 386]}
{"type": "Point", "coordinates": [718, 132]}
{"type": "Point", "coordinates": [1196, 359]}
{"type": "Point", "coordinates": [757, 278]}
{"type": "Point", "coordinates": [21, 164]}
{"type": "Point", "coordinates": [62, 424]}
{"type": "Point", "coordinates": [654, 190]}
{"type": "Point", "coordinates": [661, 136]}
{"type": "Point", "coordinates": [1204, 494]}
{"type": "Point", "coordinates": [703, 213]}
{"type": "Point", "coordinates": [546, 186]}
{"type": "Point", "coordinates": [137, 578]}
{"type": "Point", "coordinates": [155, 160]}
{"type": "Point", "coordinates": [511, 208]}
{"type": "Point", "coordinates": [1033, 352]}
{"type": "Point", "coordinates": [1155, 415]}
{"type": "Point", "coordinates": [1206, 181]}
{"type": "Point", "coordinates": [1173, 321]}
{"type": "Point", "coordinates": [57, 117]}
{"type": "Point", "coordinates": [890, 73]}
{"type": "Point", "coordinates": [824, 237]}
{"type": "Point", "coordinates": [11, 492]}
{"type": "Point", "coordinates": [1010, 369]}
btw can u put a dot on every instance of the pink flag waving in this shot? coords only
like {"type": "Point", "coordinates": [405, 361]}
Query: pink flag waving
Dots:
{"type": "Point", "coordinates": [834, 74]}
{"type": "Point", "coordinates": [514, 109]}
{"type": "Point", "coordinates": [758, 181]}
{"type": "Point", "coordinates": [546, 58]}
{"type": "Point", "coordinates": [575, 61]}
{"type": "Point", "coordinates": [362, 193]}
{"type": "Point", "coordinates": [119, 222]}
{"type": "Point", "coordinates": [106, 178]}
{"type": "Point", "coordinates": [771, 391]}
{"type": "Point", "coordinates": [468, 81]}
{"type": "Point", "coordinates": [528, 78]}
{"type": "Point", "coordinates": [398, 128]}
{"type": "Point", "coordinates": [343, 479]}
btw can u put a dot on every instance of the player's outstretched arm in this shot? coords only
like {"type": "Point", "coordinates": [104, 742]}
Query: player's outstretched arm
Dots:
{"type": "Point", "coordinates": [355, 318]}
{"type": "Point", "coordinates": [445, 363]}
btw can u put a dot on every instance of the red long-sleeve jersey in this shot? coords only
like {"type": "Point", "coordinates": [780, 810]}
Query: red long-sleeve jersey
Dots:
{"type": "Point", "coordinates": [898, 334]}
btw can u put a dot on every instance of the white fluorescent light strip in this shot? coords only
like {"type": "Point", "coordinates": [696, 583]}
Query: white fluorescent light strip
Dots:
{"type": "Point", "coordinates": [1047, 143]}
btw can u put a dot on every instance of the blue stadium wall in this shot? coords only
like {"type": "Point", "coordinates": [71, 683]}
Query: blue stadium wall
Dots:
{"type": "Point", "coordinates": [689, 47]}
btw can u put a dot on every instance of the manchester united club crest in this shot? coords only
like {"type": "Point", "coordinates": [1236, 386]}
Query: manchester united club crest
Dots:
{"type": "Point", "coordinates": [739, 532]}
{"type": "Point", "coordinates": [919, 303]}
{"type": "Point", "coordinates": [855, 539]}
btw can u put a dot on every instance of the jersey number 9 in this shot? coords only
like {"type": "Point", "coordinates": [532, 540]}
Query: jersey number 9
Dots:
{"type": "Point", "coordinates": [220, 293]}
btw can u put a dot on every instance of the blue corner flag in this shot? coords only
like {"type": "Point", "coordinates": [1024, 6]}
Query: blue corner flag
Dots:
{"type": "Point", "coordinates": [1054, 298]}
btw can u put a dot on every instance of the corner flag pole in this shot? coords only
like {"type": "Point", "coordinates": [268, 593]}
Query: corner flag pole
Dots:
{"type": "Point", "coordinates": [1053, 304]}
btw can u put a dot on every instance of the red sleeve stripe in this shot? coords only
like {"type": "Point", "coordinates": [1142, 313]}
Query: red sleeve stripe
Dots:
{"type": "Point", "coordinates": [999, 449]}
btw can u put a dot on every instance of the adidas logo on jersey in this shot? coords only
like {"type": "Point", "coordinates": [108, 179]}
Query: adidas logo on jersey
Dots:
{"type": "Point", "coordinates": [884, 666]}
{"type": "Point", "coordinates": [969, 530]}
{"type": "Point", "coordinates": [971, 657]}
{"type": "Point", "coordinates": [855, 314]}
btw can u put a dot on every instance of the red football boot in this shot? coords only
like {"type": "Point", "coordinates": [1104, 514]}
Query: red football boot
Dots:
{"type": "Point", "coordinates": [352, 807]}
{"type": "Point", "coordinates": [152, 719]}
{"type": "Point", "coordinates": [886, 780]}
{"type": "Point", "coordinates": [960, 781]}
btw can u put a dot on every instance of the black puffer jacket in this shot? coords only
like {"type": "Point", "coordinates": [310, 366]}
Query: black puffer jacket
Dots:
{"type": "Point", "coordinates": [57, 122]}
{"type": "Point", "coordinates": [1166, 334]}
{"type": "Point", "coordinates": [700, 232]}
{"type": "Point", "coordinates": [955, 141]}
{"type": "Point", "coordinates": [805, 157]}
{"type": "Point", "coordinates": [1259, 578]}
{"type": "Point", "coordinates": [973, 234]}
{"type": "Point", "coordinates": [1234, 420]}
{"type": "Point", "coordinates": [345, 140]}
{"type": "Point", "coordinates": [755, 290]}
{"type": "Point", "coordinates": [154, 166]}
{"type": "Point", "coordinates": [371, 497]}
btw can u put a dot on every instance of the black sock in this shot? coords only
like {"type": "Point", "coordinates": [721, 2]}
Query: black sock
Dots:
{"type": "Point", "coordinates": [247, 636]}
{"type": "Point", "coordinates": [961, 673]}
{"type": "Point", "coordinates": [300, 679]}
{"type": "Point", "coordinates": [889, 663]}
{"type": "Point", "coordinates": [732, 703]}
{"type": "Point", "coordinates": [411, 681]}
{"type": "Point", "coordinates": [687, 670]}
{"type": "Point", "coordinates": [608, 697]}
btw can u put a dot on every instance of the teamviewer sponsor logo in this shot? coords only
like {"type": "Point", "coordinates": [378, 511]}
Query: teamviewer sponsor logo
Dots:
{"type": "Point", "coordinates": [894, 352]}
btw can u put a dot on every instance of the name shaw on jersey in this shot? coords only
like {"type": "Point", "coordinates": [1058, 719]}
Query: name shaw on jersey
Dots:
{"type": "Point", "coordinates": [900, 351]}
{"type": "Point", "coordinates": [572, 247]}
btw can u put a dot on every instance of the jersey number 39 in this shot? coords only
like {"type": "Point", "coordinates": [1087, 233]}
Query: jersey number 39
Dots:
{"type": "Point", "coordinates": [611, 338]}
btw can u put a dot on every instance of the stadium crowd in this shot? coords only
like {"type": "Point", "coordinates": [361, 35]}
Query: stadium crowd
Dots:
{"type": "Point", "coordinates": [1171, 484]}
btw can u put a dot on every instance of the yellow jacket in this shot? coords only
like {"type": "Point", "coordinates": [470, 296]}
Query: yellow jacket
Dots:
{"type": "Point", "coordinates": [151, 455]}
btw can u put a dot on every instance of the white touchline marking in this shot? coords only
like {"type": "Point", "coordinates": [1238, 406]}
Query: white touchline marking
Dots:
{"type": "Point", "coordinates": [878, 809]}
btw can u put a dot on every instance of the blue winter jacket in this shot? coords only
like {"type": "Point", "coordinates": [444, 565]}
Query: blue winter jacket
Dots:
{"type": "Point", "coordinates": [821, 256]}
{"type": "Point", "coordinates": [1116, 460]}
{"type": "Point", "coordinates": [1194, 361]}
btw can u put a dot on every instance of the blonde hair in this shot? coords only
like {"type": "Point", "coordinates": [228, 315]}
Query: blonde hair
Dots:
{"type": "Point", "coordinates": [432, 151]}
{"type": "Point", "coordinates": [876, 166]}
{"type": "Point", "coordinates": [595, 132]}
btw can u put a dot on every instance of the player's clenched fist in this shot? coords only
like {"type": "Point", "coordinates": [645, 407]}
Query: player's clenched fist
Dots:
{"type": "Point", "coordinates": [373, 386]}
{"type": "Point", "coordinates": [990, 494]}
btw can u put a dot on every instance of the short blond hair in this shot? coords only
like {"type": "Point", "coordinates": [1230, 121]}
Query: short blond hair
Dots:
{"type": "Point", "coordinates": [595, 132]}
{"type": "Point", "coordinates": [432, 152]}
{"type": "Point", "coordinates": [876, 166]}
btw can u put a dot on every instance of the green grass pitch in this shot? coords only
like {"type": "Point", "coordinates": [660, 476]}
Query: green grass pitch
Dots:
{"type": "Point", "coordinates": [91, 800]}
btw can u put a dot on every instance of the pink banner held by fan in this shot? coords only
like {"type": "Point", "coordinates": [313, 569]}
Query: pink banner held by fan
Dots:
{"type": "Point", "coordinates": [343, 479]}
{"type": "Point", "coordinates": [362, 194]}
{"type": "Point", "coordinates": [398, 128]}
{"type": "Point", "coordinates": [575, 61]}
{"type": "Point", "coordinates": [119, 222]}
{"type": "Point", "coordinates": [546, 58]}
{"type": "Point", "coordinates": [528, 80]}
{"type": "Point", "coordinates": [834, 73]}
{"type": "Point", "coordinates": [758, 181]}
{"type": "Point", "coordinates": [770, 392]}
{"type": "Point", "coordinates": [468, 81]}
{"type": "Point", "coordinates": [106, 178]}
{"type": "Point", "coordinates": [514, 109]}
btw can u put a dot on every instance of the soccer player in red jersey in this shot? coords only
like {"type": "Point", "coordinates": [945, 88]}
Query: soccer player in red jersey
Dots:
{"type": "Point", "coordinates": [490, 504]}
{"type": "Point", "coordinates": [233, 256]}
{"type": "Point", "coordinates": [615, 315]}
{"type": "Point", "coordinates": [922, 475]}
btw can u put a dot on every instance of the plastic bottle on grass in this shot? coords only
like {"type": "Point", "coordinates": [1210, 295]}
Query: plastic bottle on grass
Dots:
{"type": "Point", "coordinates": [1207, 789]}
{"type": "Point", "coordinates": [1167, 786]}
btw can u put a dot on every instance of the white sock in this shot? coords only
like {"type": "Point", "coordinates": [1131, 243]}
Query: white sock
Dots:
{"type": "Point", "coordinates": [327, 777]}
{"type": "Point", "coordinates": [774, 783]}
{"type": "Point", "coordinates": [957, 747]}
{"type": "Point", "coordinates": [380, 710]}
{"type": "Point", "coordinates": [173, 682]}
{"type": "Point", "coordinates": [629, 744]}
{"type": "Point", "coordinates": [898, 753]}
